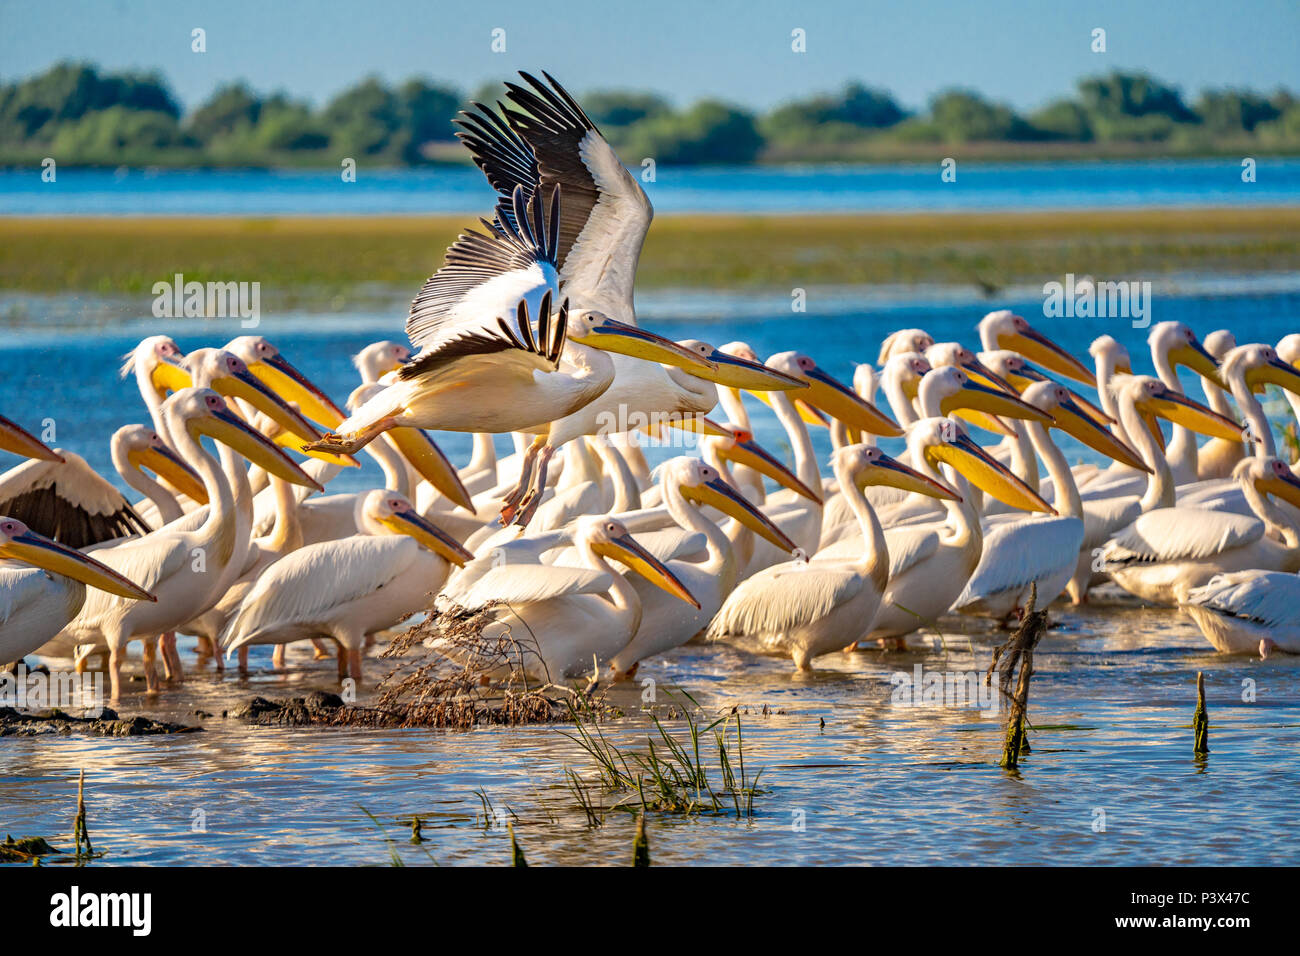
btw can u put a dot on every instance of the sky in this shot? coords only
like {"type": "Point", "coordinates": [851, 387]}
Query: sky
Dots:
{"type": "Point", "coordinates": [1023, 52]}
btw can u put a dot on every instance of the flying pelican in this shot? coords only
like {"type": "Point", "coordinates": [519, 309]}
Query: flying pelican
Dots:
{"type": "Point", "coordinates": [1248, 611]}
{"type": "Point", "coordinates": [560, 621]}
{"type": "Point", "coordinates": [43, 587]}
{"type": "Point", "coordinates": [352, 587]}
{"type": "Point", "coordinates": [184, 566]}
{"type": "Point", "coordinates": [666, 621]}
{"type": "Point", "coordinates": [481, 368]}
{"type": "Point", "coordinates": [807, 608]}
{"type": "Point", "coordinates": [1166, 553]}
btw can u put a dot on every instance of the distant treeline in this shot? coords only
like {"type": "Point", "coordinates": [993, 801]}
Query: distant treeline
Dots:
{"type": "Point", "coordinates": [81, 116]}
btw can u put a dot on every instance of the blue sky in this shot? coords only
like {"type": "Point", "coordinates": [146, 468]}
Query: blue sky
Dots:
{"type": "Point", "coordinates": [1019, 51]}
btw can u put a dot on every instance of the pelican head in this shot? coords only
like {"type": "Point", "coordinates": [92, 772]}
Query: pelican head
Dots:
{"type": "Point", "coordinates": [907, 368]}
{"type": "Point", "coordinates": [157, 361]}
{"type": "Point", "coordinates": [956, 390]}
{"type": "Point", "coordinates": [379, 358]}
{"type": "Point", "coordinates": [596, 329]}
{"type": "Point", "coordinates": [1260, 365]}
{"type": "Point", "coordinates": [863, 465]}
{"type": "Point", "coordinates": [944, 441]}
{"type": "Point", "coordinates": [610, 539]}
{"type": "Point", "coordinates": [1181, 345]}
{"type": "Point", "coordinates": [1220, 342]}
{"type": "Point", "coordinates": [734, 371]}
{"type": "Point", "coordinates": [832, 396]}
{"type": "Point", "coordinates": [19, 543]}
{"type": "Point", "coordinates": [1108, 352]}
{"type": "Point", "coordinates": [228, 375]}
{"type": "Point", "coordinates": [1153, 398]}
{"type": "Point", "coordinates": [387, 512]}
{"type": "Point", "coordinates": [904, 340]}
{"type": "Point", "coordinates": [741, 449]}
{"type": "Point", "coordinates": [700, 483]}
{"type": "Point", "coordinates": [944, 354]}
{"type": "Point", "coordinates": [278, 374]}
{"type": "Point", "coordinates": [143, 448]}
{"type": "Point", "coordinates": [1006, 330]}
{"type": "Point", "coordinates": [1270, 476]}
{"type": "Point", "coordinates": [1075, 421]}
{"type": "Point", "coordinates": [18, 441]}
{"type": "Point", "coordinates": [204, 412]}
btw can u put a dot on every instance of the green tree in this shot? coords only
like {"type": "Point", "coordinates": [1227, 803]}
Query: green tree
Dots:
{"type": "Point", "coordinates": [230, 109]}
{"type": "Point", "coordinates": [615, 108]}
{"type": "Point", "coordinates": [963, 116]}
{"type": "Point", "coordinates": [366, 120]}
{"type": "Point", "coordinates": [1132, 94]}
{"type": "Point", "coordinates": [1234, 111]}
{"type": "Point", "coordinates": [1065, 120]}
{"type": "Point", "coordinates": [426, 112]}
{"type": "Point", "coordinates": [708, 132]}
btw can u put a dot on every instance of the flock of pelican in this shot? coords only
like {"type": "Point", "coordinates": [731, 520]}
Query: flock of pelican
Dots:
{"type": "Point", "coordinates": [588, 558]}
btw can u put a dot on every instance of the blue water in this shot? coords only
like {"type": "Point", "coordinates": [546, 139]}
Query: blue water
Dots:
{"type": "Point", "coordinates": [755, 189]}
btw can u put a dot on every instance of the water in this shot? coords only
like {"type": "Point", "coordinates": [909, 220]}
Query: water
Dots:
{"type": "Point", "coordinates": [880, 783]}
{"type": "Point", "coordinates": [747, 189]}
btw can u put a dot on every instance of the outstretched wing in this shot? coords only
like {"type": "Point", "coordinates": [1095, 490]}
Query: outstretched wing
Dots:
{"type": "Point", "coordinates": [67, 501]}
{"type": "Point", "coordinates": [606, 214]}
{"type": "Point", "coordinates": [483, 298]}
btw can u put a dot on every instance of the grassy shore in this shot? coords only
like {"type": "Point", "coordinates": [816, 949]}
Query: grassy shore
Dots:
{"type": "Point", "coordinates": [301, 260]}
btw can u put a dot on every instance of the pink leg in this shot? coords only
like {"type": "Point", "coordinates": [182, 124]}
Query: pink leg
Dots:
{"type": "Point", "coordinates": [277, 657]}
{"type": "Point", "coordinates": [115, 673]}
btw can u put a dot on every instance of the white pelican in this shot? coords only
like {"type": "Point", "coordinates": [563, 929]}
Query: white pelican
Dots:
{"type": "Point", "coordinates": [43, 586]}
{"type": "Point", "coordinates": [563, 621]}
{"type": "Point", "coordinates": [135, 448]}
{"type": "Point", "coordinates": [1021, 552]}
{"type": "Point", "coordinates": [807, 608]}
{"type": "Point", "coordinates": [378, 359]}
{"type": "Point", "coordinates": [930, 562]}
{"type": "Point", "coordinates": [184, 566]}
{"type": "Point", "coordinates": [1248, 611]}
{"type": "Point", "coordinates": [1174, 344]}
{"type": "Point", "coordinates": [1166, 553]}
{"type": "Point", "coordinates": [1004, 329]}
{"type": "Point", "coordinates": [350, 588]}
{"type": "Point", "coordinates": [1217, 457]}
{"type": "Point", "coordinates": [667, 622]}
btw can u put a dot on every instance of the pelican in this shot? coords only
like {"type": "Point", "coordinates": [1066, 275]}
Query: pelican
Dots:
{"type": "Point", "coordinates": [806, 609]}
{"type": "Point", "coordinates": [1217, 457]}
{"type": "Point", "coordinates": [352, 587]}
{"type": "Point", "coordinates": [1166, 553]}
{"type": "Point", "coordinates": [563, 621]}
{"type": "Point", "coordinates": [1004, 329]}
{"type": "Point", "coordinates": [43, 586]}
{"type": "Point", "coordinates": [1174, 344]}
{"type": "Point", "coordinates": [135, 448]}
{"type": "Point", "coordinates": [1248, 611]}
{"type": "Point", "coordinates": [186, 567]}
{"type": "Point", "coordinates": [930, 562]}
{"type": "Point", "coordinates": [666, 621]}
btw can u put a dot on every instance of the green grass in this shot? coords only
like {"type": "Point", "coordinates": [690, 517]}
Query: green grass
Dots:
{"type": "Point", "coordinates": [340, 261]}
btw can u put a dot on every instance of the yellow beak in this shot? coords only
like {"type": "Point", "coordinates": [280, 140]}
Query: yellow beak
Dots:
{"type": "Point", "coordinates": [889, 471]}
{"type": "Point", "coordinates": [627, 551]}
{"type": "Point", "coordinates": [249, 387]}
{"type": "Point", "coordinates": [988, 474]}
{"type": "Point", "coordinates": [1022, 379]}
{"type": "Point", "coordinates": [700, 424]}
{"type": "Point", "coordinates": [734, 372]}
{"type": "Point", "coordinates": [979, 397]}
{"type": "Point", "coordinates": [718, 494]}
{"type": "Point", "coordinates": [431, 464]}
{"type": "Point", "coordinates": [278, 374]}
{"type": "Point", "coordinates": [429, 535]}
{"type": "Point", "coordinates": [169, 377]}
{"type": "Point", "coordinates": [839, 401]}
{"type": "Point", "coordinates": [753, 455]}
{"type": "Point", "coordinates": [170, 467]}
{"type": "Point", "coordinates": [1074, 421]}
{"type": "Point", "coordinates": [614, 336]}
{"type": "Point", "coordinates": [1037, 347]}
{"type": "Point", "coordinates": [1193, 356]}
{"type": "Point", "coordinates": [808, 414]}
{"type": "Point", "coordinates": [1275, 372]}
{"type": "Point", "coordinates": [39, 551]}
{"type": "Point", "coordinates": [17, 440]}
{"type": "Point", "coordinates": [1182, 410]}
{"type": "Point", "coordinates": [231, 430]}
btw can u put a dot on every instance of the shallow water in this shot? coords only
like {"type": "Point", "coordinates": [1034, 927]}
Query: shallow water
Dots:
{"type": "Point", "coordinates": [879, 783]}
